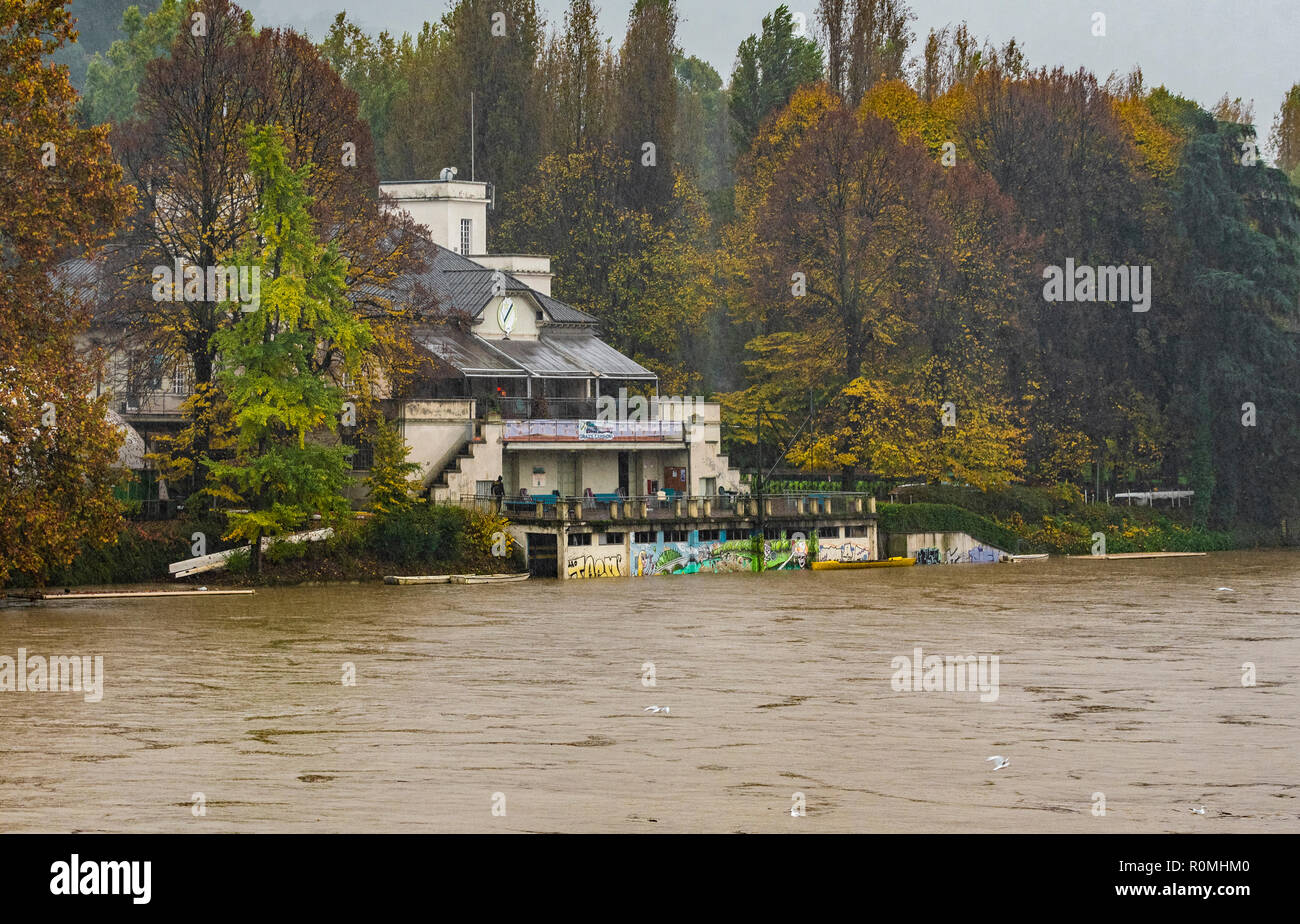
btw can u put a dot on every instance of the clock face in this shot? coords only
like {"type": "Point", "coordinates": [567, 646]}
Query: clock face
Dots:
{"type": "Point", "coordinates": [506, 315]}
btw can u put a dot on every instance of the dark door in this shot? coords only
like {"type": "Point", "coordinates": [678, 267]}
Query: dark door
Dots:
{"type": "Point", "coordinates": [622, 473]}
{"type": "Point", "coordinates": [543, 555]}
{"type": "Point", "coordinates": [675, 478]}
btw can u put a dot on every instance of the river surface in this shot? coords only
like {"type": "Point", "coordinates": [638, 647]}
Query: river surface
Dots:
{"type": "Point", "coordinates": [1118, 680]}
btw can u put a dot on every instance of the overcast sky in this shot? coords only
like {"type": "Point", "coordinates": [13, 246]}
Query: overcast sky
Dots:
{"type": "Point", "coordinates": [1200, 48]}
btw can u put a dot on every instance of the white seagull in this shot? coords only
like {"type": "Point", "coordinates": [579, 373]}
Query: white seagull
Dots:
{"type": "Point", "coordinates": [1200, 810]}
{"type": "Point", "coordinates": [1224, 590]}
{"type": "Point", "coordinates": [1001, 761]}
{"type": "Point", "coordinates": [663, 709]}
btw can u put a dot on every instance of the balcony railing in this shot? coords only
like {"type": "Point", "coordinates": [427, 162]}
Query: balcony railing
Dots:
{"type": "Point", "coordinates": [671, 506]}
{"type": "Point", "coordinates": [593, 431]}
{"type": "Point", "coordinates": [529, 408]}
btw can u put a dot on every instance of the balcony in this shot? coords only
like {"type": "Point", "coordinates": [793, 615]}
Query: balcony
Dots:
{"type": "Point", "coordinates": [668, 505]}
{"type": "Point", "coordinates": [530, 408]}
{"type": "Point", "coordinates": [593, 431]}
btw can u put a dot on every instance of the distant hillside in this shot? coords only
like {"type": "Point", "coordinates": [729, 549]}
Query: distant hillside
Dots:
{"type": "Point", "coordinates": [97, 22]}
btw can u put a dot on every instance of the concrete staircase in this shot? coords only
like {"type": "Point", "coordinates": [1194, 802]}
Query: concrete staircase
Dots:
{"type": "Point", "coordinates": [473, 462]}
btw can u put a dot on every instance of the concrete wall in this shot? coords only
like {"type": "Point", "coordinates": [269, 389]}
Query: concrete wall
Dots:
{"type": "Point", "coordinates": [600, 559]}
{"type": "Point", "coordinates": [435, 430]}
{"type": "Point", "coordinates": [833, 547]}
{"type": "Point", "coordinates": [530, 269]}
{"type": "Point", "coordinates": [440, 206]}
{"type": "Point", "coordinates": [954, 548]}
{"type": "Point", "coordinates": [704, 443]}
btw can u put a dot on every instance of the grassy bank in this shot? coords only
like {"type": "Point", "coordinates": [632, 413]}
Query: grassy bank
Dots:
{"type": "Point", "coordinates": [422, 539]}
{"type": "Point", "coordinates": [1022, 519]}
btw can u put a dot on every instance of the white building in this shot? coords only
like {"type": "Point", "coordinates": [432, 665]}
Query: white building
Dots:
{"type": "Point", "coordinates": [519, 393]}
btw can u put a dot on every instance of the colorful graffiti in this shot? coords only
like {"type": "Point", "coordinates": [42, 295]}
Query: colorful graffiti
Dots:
{"type": "Point", "coordinates": [606, 564]}
{"type": "Point", "coordinates": [979, 554]}
{"type": "Point", "coordinates": [718, 557]}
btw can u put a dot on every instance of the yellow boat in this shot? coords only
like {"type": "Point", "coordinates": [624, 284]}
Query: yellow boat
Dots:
{"type": "Point", "coordinates": [899, 562]}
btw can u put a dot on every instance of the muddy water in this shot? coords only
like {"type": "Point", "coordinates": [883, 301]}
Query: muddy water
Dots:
{"type": "Point", "coordinates": [1118, 678]}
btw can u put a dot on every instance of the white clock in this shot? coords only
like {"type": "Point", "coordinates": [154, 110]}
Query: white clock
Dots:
{"type": "Point", "coordinates": [506, 316]}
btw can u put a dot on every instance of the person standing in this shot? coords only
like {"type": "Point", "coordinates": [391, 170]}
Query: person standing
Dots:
{"type": "Point", "coordinates": [498, 493]}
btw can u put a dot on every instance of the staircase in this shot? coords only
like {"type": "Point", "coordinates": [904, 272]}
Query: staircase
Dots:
{"type": "Point", "coordinates": [461, 472]}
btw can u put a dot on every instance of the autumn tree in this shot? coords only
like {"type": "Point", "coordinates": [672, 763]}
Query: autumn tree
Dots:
{"type": "Point", "coordinates": [645, 278]}
{"type": "Point", "coordinates": [61, 195]}
{"type": "Point", "coordinates": [867, 268]}
{"type": "Point", "coordinates": [183, 151]}
{"type": "Point", "coordinates": [866, 41]}
{"type": "Point", "coordinates": [279, 474]}
{"type": "Point", "coordinates": [1285, 135]}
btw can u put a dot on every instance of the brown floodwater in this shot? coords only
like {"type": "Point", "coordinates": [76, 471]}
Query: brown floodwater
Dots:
{"type": "Point", "coordinates": [1118, 678]}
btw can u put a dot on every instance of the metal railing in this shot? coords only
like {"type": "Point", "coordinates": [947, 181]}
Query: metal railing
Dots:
{"type": "Point", "coordinates": [533, 408]}
{"type": "Point", "coordinates": [588, 430]}
{"type": "Point", "coordinates": [672, 506]}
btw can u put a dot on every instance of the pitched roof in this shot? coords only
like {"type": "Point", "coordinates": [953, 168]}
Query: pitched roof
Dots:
{"type": "Point", "coordinates": [460, 284]}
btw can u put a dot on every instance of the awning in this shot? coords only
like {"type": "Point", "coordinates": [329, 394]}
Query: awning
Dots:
{"type": "Point", "coordinates": [541, 359]}
{"type": "Point", "coordinates": [590, 352]}
{"type": "Point", "coordinates": [564, 354]}
{"type": "Point", "coordinates": [467, 354]}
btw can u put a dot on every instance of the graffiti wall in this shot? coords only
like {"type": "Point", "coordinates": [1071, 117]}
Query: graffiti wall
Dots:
{"type": "Point", "coordinates": [718, 556]}
{"type": "Point", "coordinates": [949, 549]}
{"type": "Point", "coordinates": [854, 549]}
{"type": "Point", "coordinates": [608, 561]}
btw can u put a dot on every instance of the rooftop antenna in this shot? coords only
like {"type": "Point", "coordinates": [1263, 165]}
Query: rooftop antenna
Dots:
{"type": "Point", "coordinates": [471, 135]}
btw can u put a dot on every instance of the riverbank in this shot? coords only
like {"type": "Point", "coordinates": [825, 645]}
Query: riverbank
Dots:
{"type": "Point", "coordinates": [426, 539]}
{"type": "Point", "coordinates": [422, 539]}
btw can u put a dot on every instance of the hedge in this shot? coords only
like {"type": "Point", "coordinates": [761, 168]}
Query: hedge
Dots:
{"type": "Point", "coordinates": [945, 518]}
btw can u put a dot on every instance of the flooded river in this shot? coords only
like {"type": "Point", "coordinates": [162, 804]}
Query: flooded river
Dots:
{"type": "Point", "coordinates": [522, 707]}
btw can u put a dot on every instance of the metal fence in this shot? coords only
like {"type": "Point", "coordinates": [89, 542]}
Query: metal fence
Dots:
{"type": "Point", "coordinates": [670, 506]}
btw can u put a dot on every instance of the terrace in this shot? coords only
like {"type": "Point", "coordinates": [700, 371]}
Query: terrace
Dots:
{"type": "Point", "coordinates": [672, 505]}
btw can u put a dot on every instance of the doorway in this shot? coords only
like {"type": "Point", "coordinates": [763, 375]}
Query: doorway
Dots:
{"type": "Point", "coordinates": [543, 555]}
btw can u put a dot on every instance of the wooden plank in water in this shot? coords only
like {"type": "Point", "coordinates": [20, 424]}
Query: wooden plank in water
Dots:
{"type": "Point", "coordinates": [1144, 555]}
{"type": "Point", "coordinates": [218, 559]}
{"type": "Point", "coordinates": [145, 593]}
{"type": "Point", "coordinates": [417, 579]}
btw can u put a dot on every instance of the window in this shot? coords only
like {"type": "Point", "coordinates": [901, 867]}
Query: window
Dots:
{"type": "Point", "coordinates": [710, 535]}
{"type": "Point", "coordinates": [677, 535]}
{"type": "Point", "coordinates": [613, 538]}
{"type": "Point", "coordinates": [856, 532]}
{"type": "Point", "coordinates": [644, 537]}
{"type": "Point", "coordinates": [579, 538]}
{"type": "Point", "coordinates": [466, 235]}
{"type": "Point", "coordinates": [363, 457]}
{"type": "Point", "coordinates": [773, 533]}
{"type": "Point", "coordinates": [181, 378]}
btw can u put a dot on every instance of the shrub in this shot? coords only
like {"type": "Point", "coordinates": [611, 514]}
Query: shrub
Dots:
{"type": "Point", "coordinates": [946, 518]}
{"type": "Point", "coordinates": [418, 534]}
